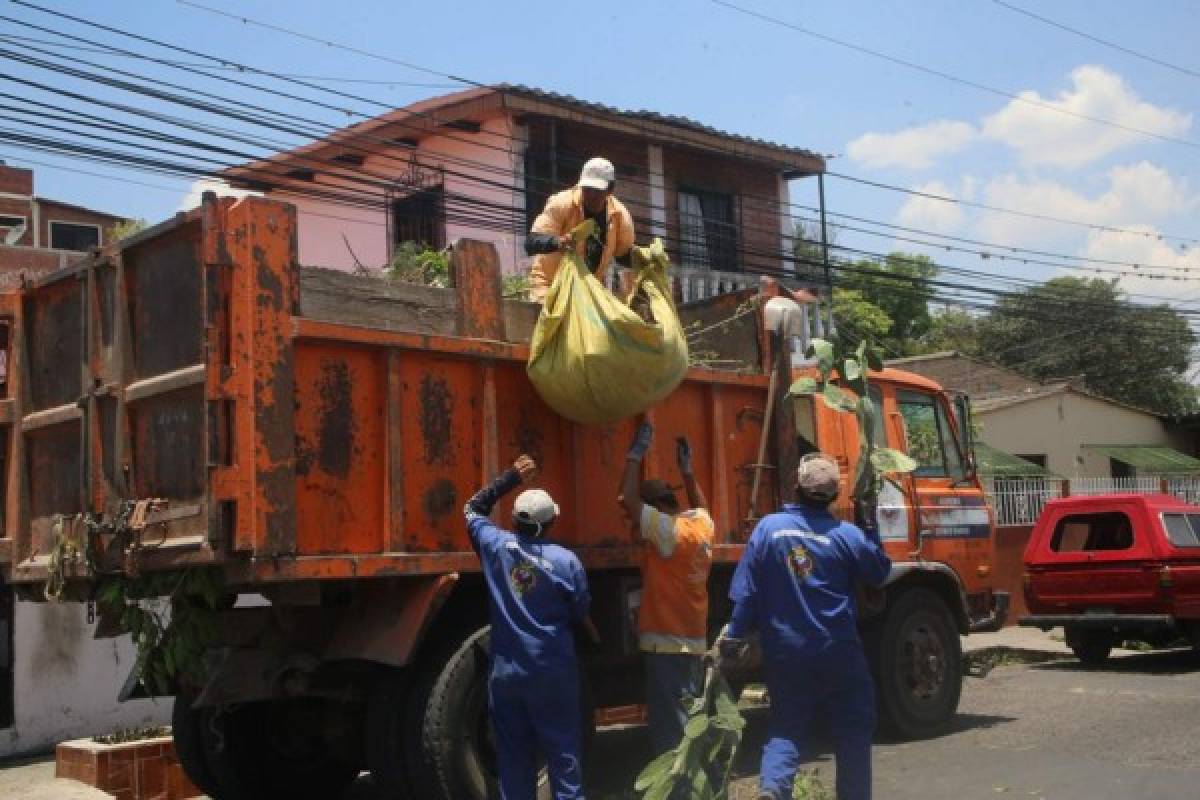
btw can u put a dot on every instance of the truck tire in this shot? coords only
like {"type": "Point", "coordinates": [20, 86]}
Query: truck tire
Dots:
{"type": "Point", "coordinates": [187, 728]}
{"type": "Point", "coordinates": [1090, 647]}
{"type": "Point", "coordinates": [916, 657]}
{"type": "Point", "coordinates": [274, 750]}
{"type": "Point", "coordinates": [456, 757]}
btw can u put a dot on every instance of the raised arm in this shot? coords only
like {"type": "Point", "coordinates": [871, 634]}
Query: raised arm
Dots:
{"type": "Point", "coordinates": [480, 506]}
{"type": "Point", "coordinates": [683, 456]}
{"type": "Point", "coordinates": [630, 496]}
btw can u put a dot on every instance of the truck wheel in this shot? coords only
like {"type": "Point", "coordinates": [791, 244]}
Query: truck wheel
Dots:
{"type": "Point", "coordinates": [272, 750]}
{"type": "Point", "coordinates": [1090, 647]}
{"type": "Point", "coordinates": [456, 759]}
{"type": "Point", "coordinates": [917, 659]}
{"type": "Point", "coordinates": [187, 728]}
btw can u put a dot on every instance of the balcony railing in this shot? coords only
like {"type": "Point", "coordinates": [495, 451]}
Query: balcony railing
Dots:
{"type": "Point", "coordinates": [689, 283]}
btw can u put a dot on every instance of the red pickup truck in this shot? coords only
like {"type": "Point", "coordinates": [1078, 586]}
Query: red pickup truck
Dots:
{"type": "Point", "coordinates": [1113, 568]}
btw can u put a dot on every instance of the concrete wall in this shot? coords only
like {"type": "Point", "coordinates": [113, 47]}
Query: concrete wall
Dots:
{"type": "Point", "coordinates": [1058, 425]}
{"type": "Point", "coordinates": [480, 165]}
{"type": "Point", "coordinates": [66, 682]}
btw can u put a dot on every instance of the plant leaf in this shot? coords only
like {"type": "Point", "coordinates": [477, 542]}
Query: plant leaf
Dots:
{"type": "Point", "coordinates": [852, 369]}
{"type": "Point", "coordinates": [654, 771]}
{"type": "Point", "coordinates": [874, 360]}
{"type": "Point", "coordinates": [885, 459]}
{"type": "Point", "coordinates": [837, 399]}
{"type": "Point", "coordinates": [822, 351]}
{"type": "Point", "coordinates": [803, 386]}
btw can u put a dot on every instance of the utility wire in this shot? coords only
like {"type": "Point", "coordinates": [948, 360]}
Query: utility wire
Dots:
{"type": "Point", "coordinates": [1106, 43]}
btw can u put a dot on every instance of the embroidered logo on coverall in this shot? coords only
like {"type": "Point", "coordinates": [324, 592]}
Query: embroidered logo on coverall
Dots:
{"type": "Point", "coordinates": [522, 577]}
{"type": "Point", "coordinates": [799, 562]}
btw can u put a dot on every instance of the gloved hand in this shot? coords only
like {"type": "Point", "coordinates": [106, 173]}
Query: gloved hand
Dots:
{"type": "Point", "coordinates": [641, 442]}
{"type": "Point", "coordinates": [727, 652]}
{"type": "Point", "coordinates": [683, 455]}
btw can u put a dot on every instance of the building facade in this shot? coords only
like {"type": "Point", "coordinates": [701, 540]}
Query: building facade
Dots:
{"type": "Point", "coordinates": [481, 163]}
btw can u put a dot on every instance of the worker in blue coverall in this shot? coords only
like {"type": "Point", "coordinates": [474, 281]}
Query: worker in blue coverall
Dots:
{"type": "Point", "coordinates": [537, 592]}
{"type": "Point", "coordinates": [795, 586]}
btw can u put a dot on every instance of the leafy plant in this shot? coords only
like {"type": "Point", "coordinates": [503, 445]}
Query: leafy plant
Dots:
{"type": "Point", "coordinates": [124, 229]}
{"type": "Point", "coordinates": [171, 617]}
{"type": "Point", "coordinates": [852, 368]}
{"type": "Point", "coordinates": [698, 768]}
{"type": "Point", "coordinates": [413, 262]}
{"type": "Point", "coordinates": [516, 287]}
{"type": "Point", "coordinates": [808, 786]}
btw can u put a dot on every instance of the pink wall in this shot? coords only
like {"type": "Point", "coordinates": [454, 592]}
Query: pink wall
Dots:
{"type": "Point", "coordinates": [490, 155]}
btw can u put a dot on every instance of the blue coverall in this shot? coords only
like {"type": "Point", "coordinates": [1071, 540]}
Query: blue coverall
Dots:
{"type": "Point", "coordinates": [537, 592]}
{"type": "Point", "coordinates": [795, 585]}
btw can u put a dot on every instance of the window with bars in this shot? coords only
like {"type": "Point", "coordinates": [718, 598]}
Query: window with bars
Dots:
{"type": "Point", "coordinates": [707, 230]}
{"type": "Point", "coordinates": [420, 217]}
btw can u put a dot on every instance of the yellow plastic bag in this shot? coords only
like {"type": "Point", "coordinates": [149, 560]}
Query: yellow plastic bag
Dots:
{"type": "Point", "coordinates": [593, 359]}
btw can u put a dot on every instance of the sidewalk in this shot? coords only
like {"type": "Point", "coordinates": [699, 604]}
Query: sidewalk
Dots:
{"type": "Point", "coordinates": [33, 779]}
{"type": "Point", "coordinates": [1015, 638]}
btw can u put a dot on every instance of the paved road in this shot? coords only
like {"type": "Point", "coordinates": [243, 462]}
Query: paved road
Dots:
{"type": "Point", "coordinates": [1053, 731]}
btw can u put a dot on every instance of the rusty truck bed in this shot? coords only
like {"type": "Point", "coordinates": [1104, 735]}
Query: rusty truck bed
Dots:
{"type": "Point", "coordinates": [302, 423]}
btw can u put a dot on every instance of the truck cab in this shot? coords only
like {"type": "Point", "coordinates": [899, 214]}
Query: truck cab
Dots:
{"type": "Point", "coordinates": [1113, 568]}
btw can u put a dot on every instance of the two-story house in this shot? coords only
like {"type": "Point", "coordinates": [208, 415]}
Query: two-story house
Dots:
{"type": "Point", "coordinates": [480, 164]}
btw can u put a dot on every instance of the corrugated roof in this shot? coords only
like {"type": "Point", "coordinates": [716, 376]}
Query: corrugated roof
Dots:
{"type": "Point", "coordinates": [1153, 459]}
{"type": "Point", "coordinates": [997, 463]}
{"type": "Point", "coordinates": [652, 116]}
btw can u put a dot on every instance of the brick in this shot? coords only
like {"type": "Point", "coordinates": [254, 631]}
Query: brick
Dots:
{"type": "Point", "coordinates": [15, 180]}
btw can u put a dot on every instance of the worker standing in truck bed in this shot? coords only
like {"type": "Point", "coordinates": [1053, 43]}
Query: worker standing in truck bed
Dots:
{"type": "Point", "coordinates": [592, 198]}
{"type": "Point", "coordinates": [795, 586]}
{"type": "Point", "coordinates": [537, 591]}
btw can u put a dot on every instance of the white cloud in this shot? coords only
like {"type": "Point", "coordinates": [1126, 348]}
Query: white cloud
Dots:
{"type": "Point", "coordinates": [928, 214]}
{"type": "Point", "coordinates": [912, 148]}
{"type": "Point", "coordinates": [1148, 252]}
{"type": "Point", "coordinates": [1140, 193]}
{"type": "Point", "coordinates": [196, 192]}
{"type": "Point", "coordinates": [1041, 136]}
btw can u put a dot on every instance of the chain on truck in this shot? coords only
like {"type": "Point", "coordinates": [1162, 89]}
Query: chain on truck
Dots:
{"type": "Point", "coordinates": [194, 399]}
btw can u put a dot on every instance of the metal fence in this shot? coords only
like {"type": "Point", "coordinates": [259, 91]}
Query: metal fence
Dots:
{"type": "Point", "coordinates": [1019, 501]}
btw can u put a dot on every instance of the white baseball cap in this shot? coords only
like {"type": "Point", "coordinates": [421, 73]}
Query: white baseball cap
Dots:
{"type": "Point", "coordinates": [536, 506]}
{"type": "Point", "coordinates": [598, 173]}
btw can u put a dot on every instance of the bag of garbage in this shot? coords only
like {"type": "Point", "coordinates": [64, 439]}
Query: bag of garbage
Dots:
{"type": "Point", "coordinates": [596, 360]}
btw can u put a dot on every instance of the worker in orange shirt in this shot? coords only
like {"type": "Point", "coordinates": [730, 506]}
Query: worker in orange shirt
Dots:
{"type": "Point", "coordinates": [676, 559]}
{"type": "Point", "coordinates": [592, 198]}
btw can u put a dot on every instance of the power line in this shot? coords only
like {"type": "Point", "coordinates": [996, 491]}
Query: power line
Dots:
{"type": "Point", "coordinates": [877, 184]}
{"type": "Point", "coordinates": [1106, 43]}
{"type": "Point", "coordinates": [505, 149]}
{"type": "Point", "coordinates": [949, 76]}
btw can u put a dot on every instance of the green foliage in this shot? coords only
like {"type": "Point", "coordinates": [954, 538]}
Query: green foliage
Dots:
{"type": "Point", "coordinates": [413, 262]}
{"type": "Point", "coordinates": [516, 287]}
{"type": "Point", "coordinates": [125, 228]}
{"type": "Point", "coordinates": [897, 290]}
{"type": "Point", "coordinates": [858, 318]}
{"type": "Point", "coordinates": [874, 460]}
{"type": "Point", "coordinates": [699, 767]}
{"type": "Point", "coordinates": [171, 618]}
{"type": "Point", "coordinates": [808, 786]}
{"type": "Point", "coordinates": [1086, 329]}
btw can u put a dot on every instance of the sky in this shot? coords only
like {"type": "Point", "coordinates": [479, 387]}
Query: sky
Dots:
{"type": "Point", "coordinates": [878, 120]}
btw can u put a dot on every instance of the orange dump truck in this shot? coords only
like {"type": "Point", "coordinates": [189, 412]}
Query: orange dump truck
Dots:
{"type": "Point", "coordinates": [194, 399]}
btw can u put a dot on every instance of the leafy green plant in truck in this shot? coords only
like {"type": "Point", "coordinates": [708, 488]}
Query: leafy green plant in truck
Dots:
{"type": "Point", "coordinates": [698, 768]}
{"type": "Point", "coordinates": [874, 460]}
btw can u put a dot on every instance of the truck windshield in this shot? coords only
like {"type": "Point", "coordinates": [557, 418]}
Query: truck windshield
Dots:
{"type": "Point", "coordinates": [928, 435]}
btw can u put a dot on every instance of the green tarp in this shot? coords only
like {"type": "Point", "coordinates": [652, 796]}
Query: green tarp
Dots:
{"type": "Point", "coordinates": [1150, 460]}
{"type": "Point", "coordinates": [993, 462]}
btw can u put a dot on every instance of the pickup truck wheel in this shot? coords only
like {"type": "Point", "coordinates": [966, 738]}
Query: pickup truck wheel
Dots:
{"type": "Point", "coordinates": [187, 728]}
{"type": "Point", "coordinates": [1090, 647]}
{"type": "Point", "coordinates": [917, 658]}
{"type": "Point", "coordinates": [274, 750]}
